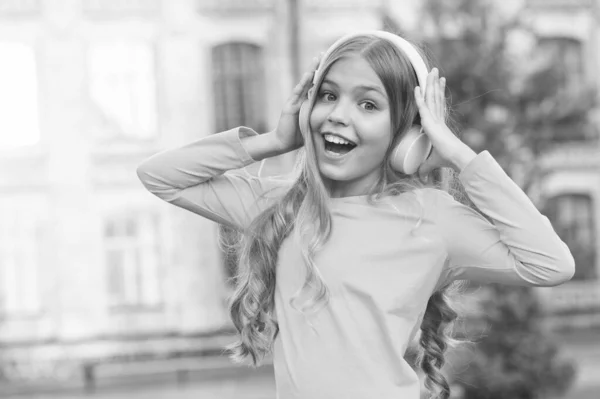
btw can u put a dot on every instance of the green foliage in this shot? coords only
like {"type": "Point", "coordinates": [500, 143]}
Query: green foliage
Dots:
{"type": "Point", "coordinates": [516, 105]}
{"type": "Point", "coordinates": [510, 94]}
{"type": "Point", "coordinates": [516, 359]}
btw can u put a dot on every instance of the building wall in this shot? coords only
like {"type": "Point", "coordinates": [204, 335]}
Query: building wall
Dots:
{"type": "Point", "coordinates": [573, 167]}
{"type": "Point", "coordinates": [62, 192]}
{"type": "Point", "coordinates": [74, 196]}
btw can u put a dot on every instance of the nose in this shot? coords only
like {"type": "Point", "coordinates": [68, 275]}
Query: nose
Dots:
{"type": "Point", "coordinates": [338, 114]}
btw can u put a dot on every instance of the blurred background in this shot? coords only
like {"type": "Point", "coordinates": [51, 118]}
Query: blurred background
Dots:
{"type": "Point", "coordinates": [106, 291]}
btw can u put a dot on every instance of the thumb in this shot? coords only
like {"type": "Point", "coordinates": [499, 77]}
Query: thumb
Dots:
{"type": "Point", "coordinates": [427, 167]}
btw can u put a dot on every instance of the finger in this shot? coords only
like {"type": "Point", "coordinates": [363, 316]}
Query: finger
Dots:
{"type": "Point", "coordinates": [429, 90]}
{"type": "Point", "coordinates": [443, 90]}
{"type": "Point", "coordinates": [301, 89]}
{"type": "Point", "coordinates": [313, 70]}
{"type": "Point", "coordinates": [433, 100]}
{"type": "Point", "coordinates": [315, 62]}
{"type": "Point", "coordinates": [424, 170]}
{"type": "Point", "coordinates": [438, 102]}
{"type": "Point", "coordinates": [424, 110]}
{"type": "Point", "coordinates": [441, 99]}
{"type": "Point", "coordinates": [430, 164]}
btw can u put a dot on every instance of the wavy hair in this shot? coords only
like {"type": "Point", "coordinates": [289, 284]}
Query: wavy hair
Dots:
{"type": "Point", "coordinates": [304, 211]}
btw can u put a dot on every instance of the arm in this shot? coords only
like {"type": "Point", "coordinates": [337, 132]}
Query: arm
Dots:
{"type": "Point", "coordinates": [194, 176]}
{"type": "Point", "coordinates": [519, 248]}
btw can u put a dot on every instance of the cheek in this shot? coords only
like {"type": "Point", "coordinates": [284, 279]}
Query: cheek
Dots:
{"type": "Point", "coordinates": [377, 132]}
{"type": "Point", "coordinates": [317, 116]}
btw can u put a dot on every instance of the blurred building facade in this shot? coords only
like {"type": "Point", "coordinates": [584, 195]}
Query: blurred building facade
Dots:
{"type": "Point", "coordinates": [91, 265]}
{"type": "Point", "coordinates": [571, 185]}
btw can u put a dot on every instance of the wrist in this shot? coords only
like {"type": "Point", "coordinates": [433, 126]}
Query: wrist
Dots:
{"type": "Point", "coordinates": [273, 142]}
{"type": "Point", "coordinates": [275, 145]}
{"type": "Point", "coordinates": [462, 157]}
{"type": "Point", "coordinates": [262, 146]}
{"type": "Point", "coordinates": [281, 146]}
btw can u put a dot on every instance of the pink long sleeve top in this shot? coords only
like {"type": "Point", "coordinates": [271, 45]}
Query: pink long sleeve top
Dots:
{"type": "Point", "coordinates": [380, 276]}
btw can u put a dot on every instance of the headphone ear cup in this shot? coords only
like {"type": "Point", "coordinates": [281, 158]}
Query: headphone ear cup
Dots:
{"type": "Point", "coordinates": [303, 118]}
{"type": "Point", "coordinates": [303, 114]}
{"type": "Point", "coordinates": [411, 151]}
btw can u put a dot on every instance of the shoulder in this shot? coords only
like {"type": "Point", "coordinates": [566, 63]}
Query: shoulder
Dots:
{"type": "Point", "coordinates": [425, 196]}
{"type": "Point", "coordinates": [440, 204]}
{"type": "Point", "coordinates": [436, 194]}
{"type": "Point", "coordinates": [435, 197]}
{"type": "Point", "coordinates": [426, 202]}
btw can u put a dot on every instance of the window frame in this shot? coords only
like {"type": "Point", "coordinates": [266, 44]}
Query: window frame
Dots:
{"type": "Point", "coordinates": [112, 130]}
{"type": "Point", "coordinates": [138, 250]}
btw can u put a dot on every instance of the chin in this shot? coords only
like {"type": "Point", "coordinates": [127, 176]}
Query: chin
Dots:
{"type": "Point", "coordinates": [331, 173]}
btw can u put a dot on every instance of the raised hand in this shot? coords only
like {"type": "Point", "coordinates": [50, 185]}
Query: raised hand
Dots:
{"type": "Point", "coordinates": [288, 131]}
{"type": "Point", "coordinates": [448, 150]}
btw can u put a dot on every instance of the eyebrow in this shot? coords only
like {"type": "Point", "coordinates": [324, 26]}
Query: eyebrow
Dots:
{"type": "Point", "coordinates": [361, 87]}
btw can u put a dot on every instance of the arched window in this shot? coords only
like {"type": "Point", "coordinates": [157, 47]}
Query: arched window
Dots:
{"type": "Point", "coordinates": [239, 86]}
{"type": "Point", "coordinates": [572, 216]}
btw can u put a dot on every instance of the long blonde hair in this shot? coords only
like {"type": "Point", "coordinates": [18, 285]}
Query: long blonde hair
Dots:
{"type": "Point", "coordinates": [303, 210]}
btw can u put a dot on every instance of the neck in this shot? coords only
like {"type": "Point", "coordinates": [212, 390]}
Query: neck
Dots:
{"type": "Point", "coordinates": [340, 189]}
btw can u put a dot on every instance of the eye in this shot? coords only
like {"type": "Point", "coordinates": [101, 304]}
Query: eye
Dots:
{"type": "Point", "coordinates": [369, 106]}
{"type": "Point", "coordinates": [327, 96]}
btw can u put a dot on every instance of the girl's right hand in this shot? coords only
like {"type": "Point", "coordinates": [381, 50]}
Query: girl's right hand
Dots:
{"type": "Point", "coordinates": [287, 133]}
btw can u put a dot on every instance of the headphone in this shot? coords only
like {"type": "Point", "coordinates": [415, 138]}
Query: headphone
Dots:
{"type": "Point", "coordinates": [414, 147]}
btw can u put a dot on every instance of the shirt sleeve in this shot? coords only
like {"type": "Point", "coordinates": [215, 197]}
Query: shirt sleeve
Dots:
{"type": "Point", "coordinates": [198, 177]}
{"type": "Point", "coordinates": [520, 247]}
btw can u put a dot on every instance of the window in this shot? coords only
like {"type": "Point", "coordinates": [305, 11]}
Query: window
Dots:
{"type": "Point", "coordinates": [572, 216]}
{"type": "Point", "coordinates": [239, 86]}
{"type": "Point", "coordinates": [123, 87]}
{"type": "Point", "coordinates": [132, 259]}
{"type": "Point", "coordinates": [567, 54]}
{"type": "Point", "coordinates": [18, 96]}
{"type": "Point", "coordinates": [239, 90]}
{"type": "Point", "coordinates": [19, 262]}
{"type": "Point", "coordinates": [565, 58]}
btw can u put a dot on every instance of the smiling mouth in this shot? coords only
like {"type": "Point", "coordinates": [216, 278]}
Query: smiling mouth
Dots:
{"type": "Point", "coordinates": [338, 147]}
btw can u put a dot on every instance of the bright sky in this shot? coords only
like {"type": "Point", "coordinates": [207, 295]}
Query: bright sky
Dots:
{"type": "Point", "coordinates": [18, 96]}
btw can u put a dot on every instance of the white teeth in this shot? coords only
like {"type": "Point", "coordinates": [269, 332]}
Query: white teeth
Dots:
{"type": "Point", "coordinates": [335, 139]}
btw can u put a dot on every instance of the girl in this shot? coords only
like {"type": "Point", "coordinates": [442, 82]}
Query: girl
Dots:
{"type": "Point", "coordinates": [343, 264]}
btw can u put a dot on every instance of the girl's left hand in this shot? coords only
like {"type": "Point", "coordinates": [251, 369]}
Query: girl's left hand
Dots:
{"type": "Point", "coordinates": [448, 150]}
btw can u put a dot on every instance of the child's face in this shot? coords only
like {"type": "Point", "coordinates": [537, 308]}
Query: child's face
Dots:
{"type": "Point", "coordinates": [353, 104]}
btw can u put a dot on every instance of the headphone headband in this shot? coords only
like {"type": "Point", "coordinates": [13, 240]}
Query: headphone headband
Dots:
{"type": "Point", "coordinates": [407, 48]}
